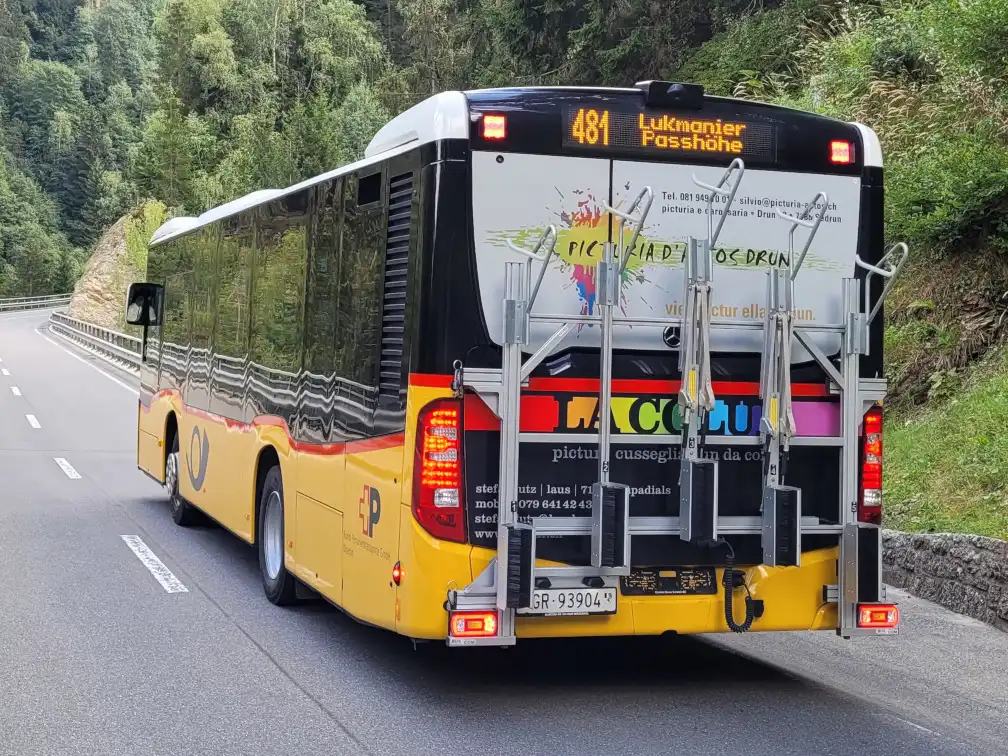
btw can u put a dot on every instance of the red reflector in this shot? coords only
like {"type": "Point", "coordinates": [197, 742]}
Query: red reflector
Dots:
{"type": "Point", "coordinates": [472, 624]}
{"type": "Point", "coordinates": [841, 152]}
{"type": "Point", "coordinates": [494, 127]}
{"type": "Point", "coordinates": [877, 616]}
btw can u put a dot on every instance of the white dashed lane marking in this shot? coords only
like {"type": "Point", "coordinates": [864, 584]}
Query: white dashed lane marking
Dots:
{"type": "Point", "coordinates": [5, 371]}
{"type": "Point", "coordinates": [90, 365]}
{"type": "Point", "coordinates": [67, 468]}
{"type": "Point", "coordinates": [33, 422]}
{"type": "Point", "coordinates": [157, 568]}
{"type": "Point", "coordinates": [15, 390]}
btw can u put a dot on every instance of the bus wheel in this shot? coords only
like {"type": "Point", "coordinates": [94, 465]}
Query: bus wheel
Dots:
{"type": "Point", "coordinates": [279, 584]}
{"type": "Point", "coordinates": [182, 513]}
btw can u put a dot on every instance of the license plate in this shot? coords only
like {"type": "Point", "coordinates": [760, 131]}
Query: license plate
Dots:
{"type": "Point", "coordinates": [554, 602]}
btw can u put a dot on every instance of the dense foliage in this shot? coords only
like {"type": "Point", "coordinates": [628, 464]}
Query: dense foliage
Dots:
{"type": "Point", "coordinates": [104, 103]}
{"type": "Point", "coordinates": [193, 102]}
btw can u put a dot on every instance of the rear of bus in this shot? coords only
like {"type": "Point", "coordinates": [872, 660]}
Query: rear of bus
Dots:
{"type": "Point", "coordinates": [562, 156]}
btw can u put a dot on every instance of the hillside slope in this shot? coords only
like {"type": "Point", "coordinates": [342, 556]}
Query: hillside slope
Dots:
{"type": "Point", "coordinates": [119, 258]}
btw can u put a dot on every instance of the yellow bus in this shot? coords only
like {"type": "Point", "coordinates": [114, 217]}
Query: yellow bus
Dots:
{"type": "Point", "coordinates": [388, 378]}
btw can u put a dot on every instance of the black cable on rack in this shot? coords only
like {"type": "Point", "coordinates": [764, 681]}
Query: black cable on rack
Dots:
{"type": "Point", "coordinates": [734, 579]}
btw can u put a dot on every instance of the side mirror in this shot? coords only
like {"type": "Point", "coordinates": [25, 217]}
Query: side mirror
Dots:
{"type": "Point", "coordinates": [143, 304]}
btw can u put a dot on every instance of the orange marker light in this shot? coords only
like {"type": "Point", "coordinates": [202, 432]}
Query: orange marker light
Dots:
{"type": "Point", "coordinates": [494, 127]}
{"type": "Point", "coordinates": [841, 152]}
{"type": "Point", "coordinates": [396, 573]}
{"type": "Point", "coordinates": [878, 616]}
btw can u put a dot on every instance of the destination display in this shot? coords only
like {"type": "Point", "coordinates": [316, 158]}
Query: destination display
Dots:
{"type": "Point", "coordinates": [601, 128]}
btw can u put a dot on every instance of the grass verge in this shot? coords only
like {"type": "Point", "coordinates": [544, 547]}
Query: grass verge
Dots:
{"type": "Point", "coordinates": [946, 465]}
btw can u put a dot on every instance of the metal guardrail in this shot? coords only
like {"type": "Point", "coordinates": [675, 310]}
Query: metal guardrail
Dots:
{"type": "Point", "coordinates": [284, 388]}
{"type": "Point", "coordinates": [11, 304]}
{"type": "Point", "coordinates": [113, 345]}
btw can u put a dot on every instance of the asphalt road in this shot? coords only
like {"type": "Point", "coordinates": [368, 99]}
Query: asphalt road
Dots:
{"type": "Point", "coordinates": [96, 657]}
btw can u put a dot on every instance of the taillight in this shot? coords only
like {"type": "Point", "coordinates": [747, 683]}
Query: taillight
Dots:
{"type": "Point", "coordinates": [437, 471]}
{"type": "Point", "coordinates": [878, 616]}
{"type": "Point", "coordinates": [870, 506]}
{"type": "Point", "coordinates": [841, 153]}
{"type": "Point", "coordinates": [472, 624]}
{"type": "Point", "coordinates": [494, 127]}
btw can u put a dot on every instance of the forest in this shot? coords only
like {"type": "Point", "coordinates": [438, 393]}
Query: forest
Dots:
{"type": "Point", "coordinates": [106, 104]}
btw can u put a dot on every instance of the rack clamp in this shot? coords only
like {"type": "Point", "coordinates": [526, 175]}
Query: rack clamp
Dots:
{"type": "Point", "coordinates": [610, 532]}
{"type": "Point", "coordinates": [780, 505]}
{"type": "Point", "coordinates": [698, 478]}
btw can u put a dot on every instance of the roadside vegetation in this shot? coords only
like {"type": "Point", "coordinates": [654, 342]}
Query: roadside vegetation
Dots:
{"type": "Point", "coordinates": [104, 106]}
{"type": "Point", "coordinates": [929, 76]}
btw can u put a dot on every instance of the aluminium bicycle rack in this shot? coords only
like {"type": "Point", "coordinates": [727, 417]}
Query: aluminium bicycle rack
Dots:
{"type": "Point", "coordinates": [508, 581]}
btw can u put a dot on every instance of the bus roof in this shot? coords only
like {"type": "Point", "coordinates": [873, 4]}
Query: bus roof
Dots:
{"type": "Point", "coordinates": [447, 115]}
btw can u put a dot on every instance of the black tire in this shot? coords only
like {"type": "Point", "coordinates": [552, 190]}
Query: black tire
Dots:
{"type": "Point", "coordinates": [182, 512]}
{"type": "Point", "coordinates": [280, 587]}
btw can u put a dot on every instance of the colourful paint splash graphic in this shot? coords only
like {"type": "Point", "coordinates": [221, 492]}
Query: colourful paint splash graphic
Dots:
{"type": "Point", "coordinates": [590, 216]}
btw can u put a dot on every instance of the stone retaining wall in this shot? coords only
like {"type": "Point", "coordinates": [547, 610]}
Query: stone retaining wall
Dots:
{"type": "Point", "coordinates": [965, 573]}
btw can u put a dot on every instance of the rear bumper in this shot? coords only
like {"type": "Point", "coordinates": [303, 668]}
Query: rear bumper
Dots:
{"type": "Point", "coordinates": [792, 597]}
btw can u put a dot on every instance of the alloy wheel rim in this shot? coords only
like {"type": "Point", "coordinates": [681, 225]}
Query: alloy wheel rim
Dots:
{"type": "Point", "coordinates": [273, 535]}
{"type": "Point", "coordinates": [171, 478]}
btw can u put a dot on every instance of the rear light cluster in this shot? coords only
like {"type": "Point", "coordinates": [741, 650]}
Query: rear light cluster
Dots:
{"type": "Point", "coordinates": [870, 506]}
{"type": "Point", "coordinates": [437, 471]}
{"type": "Point", "coordinates": [877, 616]}
{"type": "Point", "coordinates": [473, 624]}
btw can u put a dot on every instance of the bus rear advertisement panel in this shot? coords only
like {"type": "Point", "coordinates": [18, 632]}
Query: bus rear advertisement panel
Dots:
{"type": "Point", "coordinates": [516, 197]}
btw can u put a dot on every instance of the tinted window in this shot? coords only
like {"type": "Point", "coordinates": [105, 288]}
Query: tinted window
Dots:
{"type": "Point", "coordinates": [360, 286]}
{"type": "Point", "coordinates": [323, 280]}
{"type": "Point", "coordinates": [175, 266]}
{"type": "Point", "coordinates": [234, 256]}
{"type": "Point", "coordinates": [278, 283]}
{"type": "Point", "coordinates": [202, 248]}
{"type": "Point", "coordinates": [176, 317]}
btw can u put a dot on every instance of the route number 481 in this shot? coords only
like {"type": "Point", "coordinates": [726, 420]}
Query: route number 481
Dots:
{"type": "Point", "coordinates": [591, 127]}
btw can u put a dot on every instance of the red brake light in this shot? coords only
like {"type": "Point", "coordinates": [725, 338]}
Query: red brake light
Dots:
{"type": "Point", "coordinates": [841, 152]}
{"type": "Point", "coordinates": [494, 127]}
{"type": "Point", "coordinates": [437, 471]}
{"type": "Point", "coordinates": [472, 624]}
{"type": "Point", "coordinates": [878, 616]}
{"type": "Point", "coordinates": [870, 506]}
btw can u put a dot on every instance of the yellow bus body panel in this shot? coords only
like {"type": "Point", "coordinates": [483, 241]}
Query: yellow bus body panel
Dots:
{"type": "Point", "coordinates": [348, 521]}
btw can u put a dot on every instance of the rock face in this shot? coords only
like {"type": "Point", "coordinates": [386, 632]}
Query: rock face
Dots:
{"type": "Point", "coordinates": [965, 573]}
{"type": "Point", "coordinates": [119, 258]}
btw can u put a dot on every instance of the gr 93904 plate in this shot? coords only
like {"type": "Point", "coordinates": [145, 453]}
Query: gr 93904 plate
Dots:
{"type": "Point", "coordinates": [571, 602]}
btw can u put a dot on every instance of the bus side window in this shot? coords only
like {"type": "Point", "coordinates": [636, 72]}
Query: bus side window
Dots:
{"type": "Point", "coordinates": [231, 332]}
{"type": "Point", "coordinates": [233, 261]}
{"type": "Point", "coordinates": [321, 384]}
{"type": "Point", "coordinates": [323, 279]}
{"type": "Point", "coordinates": [278, 285]}
{"type": "Point", "coordinates": [362, 258]}
{"type": "Point", "coordinates": [175, 330]}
